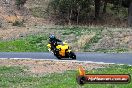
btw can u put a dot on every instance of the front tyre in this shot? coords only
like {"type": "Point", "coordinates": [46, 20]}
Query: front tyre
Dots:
{"type": "Point", "coordinates": [81, 80]}
{"type": "Point", "coordinates": [57, 55]}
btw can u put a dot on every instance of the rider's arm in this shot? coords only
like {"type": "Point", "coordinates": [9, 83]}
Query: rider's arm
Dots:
{"type": "Point", "coordinates": [58, 40]}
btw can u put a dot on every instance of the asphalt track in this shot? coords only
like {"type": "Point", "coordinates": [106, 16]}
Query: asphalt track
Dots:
{"type": "Point", "coordinates": [117, 58]}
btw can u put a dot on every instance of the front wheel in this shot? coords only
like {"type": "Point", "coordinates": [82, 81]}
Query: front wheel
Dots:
{"type": "Point", "coordinates": [57, 55]}
{"type": "Point", "coordinates": [72, 55]}
{"type": "Point", "coordinates": [81, 80]}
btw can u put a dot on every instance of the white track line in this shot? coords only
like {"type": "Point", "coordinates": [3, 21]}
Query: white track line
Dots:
{"type": "Point", "coordinates": [59, 60]}
{"type": "Point", "coordinates": [62, 60]}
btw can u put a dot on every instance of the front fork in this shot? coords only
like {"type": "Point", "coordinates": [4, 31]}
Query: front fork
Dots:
{"type": "Point", "coordinates": [50, 51]}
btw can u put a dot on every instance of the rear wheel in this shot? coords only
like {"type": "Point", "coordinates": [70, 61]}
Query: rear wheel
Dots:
{"type": "Point", "coordinates": [58, 56]}
{"type": "Point", "coordinates": [72, 55]}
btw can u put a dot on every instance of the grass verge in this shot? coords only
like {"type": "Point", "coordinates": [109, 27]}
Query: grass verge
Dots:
{"type": "Point", "coordinates": [12, 77]}
{"type": "Point", "coordinates": [80, 38]}
{"type": "Point", "coordinates": [32, 43]}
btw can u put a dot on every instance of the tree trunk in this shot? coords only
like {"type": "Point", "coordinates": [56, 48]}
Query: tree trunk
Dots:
{"type": "Point", "coordinates": [70, 16]}
{"type": "Point", "coordinates": [105, 5]}
{"type": "Point", "coordinates": [77, 17]}
{"type": "Point", "coordinates": [78, 13]}
{"type": "Point", "coordinates": [97, 8]}
{"type": "Point", "coordinates": [126, 3]}
{"type": "Point", "coordinates": [130, 15]}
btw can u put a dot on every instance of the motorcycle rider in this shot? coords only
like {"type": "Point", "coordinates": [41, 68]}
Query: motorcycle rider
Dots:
{"type": "Point", "coordinates": [53, 41]}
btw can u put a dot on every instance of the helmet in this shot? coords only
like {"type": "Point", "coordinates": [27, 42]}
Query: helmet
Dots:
{"type": "Point", "coordinates": [52, 36]}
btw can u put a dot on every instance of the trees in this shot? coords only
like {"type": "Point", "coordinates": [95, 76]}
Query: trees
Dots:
{"type": "Point", "coordinates": [105, 5]}
{"type": "Point", "coordinates": [97, 8]}
{"type": "Point", "coordinates": [130, 15]}
{"type": "Point", "coordinates": [70, 10]}
{"type": "Point", "coordinates": [78, 10]}
{"type": "Point", "coordinates": [128, 4]}
{"type": "Point", "coordinates": [117, 4]}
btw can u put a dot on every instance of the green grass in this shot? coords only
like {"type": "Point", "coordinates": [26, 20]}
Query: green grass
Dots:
{"type": "Point", "coordinates": [16, 77]}
{"type": "Point", "coordinates": [79, 30]}
{"type": "Point", "coordinates": [32, 43]}
{"type": "Point", "coordinates": [73, 30]}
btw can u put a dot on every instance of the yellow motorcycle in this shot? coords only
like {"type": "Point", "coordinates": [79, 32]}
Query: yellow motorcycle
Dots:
{"type": "Point", "coordinates": [63, 51]}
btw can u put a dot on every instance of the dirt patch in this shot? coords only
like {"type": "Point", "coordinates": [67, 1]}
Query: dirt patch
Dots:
{"type": "Point", "coordinates": [17, 32]}
{"type": "Point", "coordinates": [115, 38]}
{"type": "Point", "coordinates": [49, 66]}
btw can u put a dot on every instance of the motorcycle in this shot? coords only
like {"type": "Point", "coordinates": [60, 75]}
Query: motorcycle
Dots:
{"type": "Point", "coordinates": [62, 51]}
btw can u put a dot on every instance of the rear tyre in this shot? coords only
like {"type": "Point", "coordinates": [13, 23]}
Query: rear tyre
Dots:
{"type": "Point", "coordinates": [59, 57]}
{"type": "Point", "coordinates": [72, 55]}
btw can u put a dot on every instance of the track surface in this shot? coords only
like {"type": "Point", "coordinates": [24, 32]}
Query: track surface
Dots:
{"type": "Point", "coordinates": [122, 58]}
